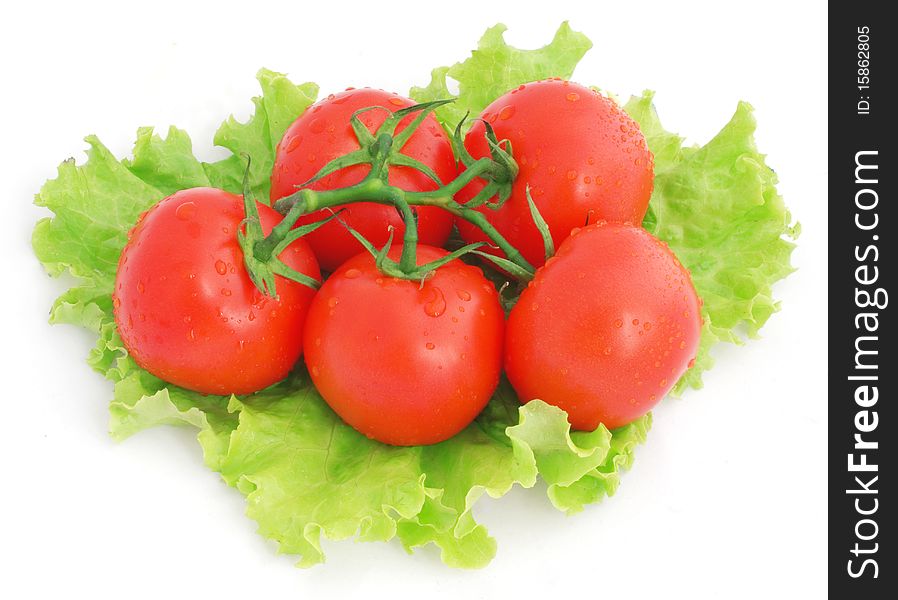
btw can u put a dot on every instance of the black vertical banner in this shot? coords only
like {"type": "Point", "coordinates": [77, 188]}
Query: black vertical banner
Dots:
{"type": "Point", "coordinates": [862, 272]}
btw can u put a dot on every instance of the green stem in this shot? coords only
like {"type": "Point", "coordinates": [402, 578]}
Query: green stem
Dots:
{"type": "Point", "coordinates": [374, 190]}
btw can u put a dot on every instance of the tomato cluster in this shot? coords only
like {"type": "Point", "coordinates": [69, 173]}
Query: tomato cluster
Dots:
{"type": "Point", "coordinates": [407, 342]}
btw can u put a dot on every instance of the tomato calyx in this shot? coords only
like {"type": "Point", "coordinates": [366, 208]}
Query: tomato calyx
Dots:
{"type": "Point", "coordinates": [382, 149]}
{"type": "Point", "coordinates": [261, 260]}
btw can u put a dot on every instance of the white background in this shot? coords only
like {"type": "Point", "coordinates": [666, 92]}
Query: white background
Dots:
{"type": "Point", "coordinates": [727, 497]}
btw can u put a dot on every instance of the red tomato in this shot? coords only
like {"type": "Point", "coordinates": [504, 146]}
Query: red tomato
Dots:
{"type": "Point", "coordinates": [605, 328]}
{"type": "Point", "coordinates": [185, 306]}
{"type": "Point", "coordinates": [405, 362]}
{"type": "Point", "coordinates": [323, 133]}
{"type": "Point", "coordinates": [584, 159]}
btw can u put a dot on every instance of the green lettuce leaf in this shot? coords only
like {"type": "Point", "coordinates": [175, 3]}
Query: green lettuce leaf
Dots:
{"type": "Point", "coordinates": [718, 209]}
{"type": "Point", "coordinates": [495, 67]}
{"type": "Point", "coordinates": [305, 473]}
{"type": "Point", "coordinates": [281, 102]}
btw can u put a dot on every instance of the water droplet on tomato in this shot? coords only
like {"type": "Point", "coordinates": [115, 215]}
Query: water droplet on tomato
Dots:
{"type": "Point", "coordinates": [332, 302]}
{"type": "Point", "coordinates": [397, 101]}
{"type": "Point", "coordinates": [435, 302]}
{"type": "Point", "coordinates": [461, 309]}
{"type": "Point", "coordinates": [293, 143]}
{"type": "Point", "coordinates": [662, 383]}
{"type": "Point", "coordinates": [141, 287]}
{"type": "Point", "coordinates": [507, 112]}
{"type": "Point", "coordinates": [463, 295]}
{"type": "Point", "coordinates": [618, 323]}
{"type": "Point", "coordinates": [635, 321]}
{"type": "Point", "coordinates": [225, 292]}
{"type": "Point", "coordinates": [482, 312]}
{"type": "Point", "coordinates": [430, 345]}
{"type": "Point", "coordinates": [116, 302]}
{"type": "Point", "coordinates": [315, 370]}
{"type": "Point", "coordinates": [379, 281]}
{"type": "Point", "coordinates": [691, 364]}
{"type": "Point", "coordinates": [571, 175]}
{"type": "Point", "coordinates": [221, 267]}
{"type": "Point", "coordinates": [352, 273]}
{"type": "Point", "coordinates": [587, 180]}
{"type": "Point", "coordinates": [191, 335]}
{"type": "Point", "coordinates": [317, 125]}
{"type": "Point", "coordinates": [251, 316]}
{"type": "Point", "coordinates": [186, 211]}
{"type": "Point", "coordinates": [572, 96]}
{"type": "Point", "coordinates": [534, 307]}
{"type": "Point", "coordinates": [646, 325]}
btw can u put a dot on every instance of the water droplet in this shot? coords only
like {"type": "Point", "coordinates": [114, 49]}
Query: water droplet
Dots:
{"type": "Point", "coordinates": [379, 281]}
{"type": "Point", "coordinates": [221, 267]}
{"type": "Point", "coordinates": [534, 307]}
{"type": "Point", "coordinates": [572, 96]}
{"type": "Point", "coordinates": [691, 364]}
{"type": "Point", "coordinates": [317, 125]}
{"type": "Point", "coordinates": [315, 371]}
{"type": "Point", "coordinates": [461, 309]}
{"type": "Point", "coordinates": [141, 317]}
{"type": "Point", "coordinates": [186, 211]}
{"type": "Point", "coordinates": [662, 383]}
{"type": "Point", "coordinates": [116, 302]}
{"type": "Point", "coordinates": [571, 175]}
{"type": "Point", "coordinates": [241, 345]}
{"type": "Point", "coordinates": [618, 323]}
{"type": "Point", "coordinates": [352, 273]}
{"type": "Point", "coordinates": [463, 356]}
{"type": "Point", "coordinates": [607, 350]}
{"type": "Point", "coordinates": [225, 292]}
{"type": "Point", "coordinates": [507, 112]}
{"type": "Point", "coordinates": [191, 335]}
{"type": "Point", "coordinates": [435, 302]}
{"type": "Point", "coordinates": [332, 302]}
{"type": "Point", "coordinates": [430, 345]}
{"type": "Point", "coordinates": [587, 180]}
{"type": "Point", "coordinates": [396, 101]}
{"type": "Point", "coordinates": [482, 313]}
{"type": "Point", "coordinates": [463, 295]}
{"type": "Point", "coordinates": [293, 143]}
{"type": "Point", "coordinates": [591, 160]}
{"type": "Point", "coordinates": [646, 325]}
{"type": "Point", "coordinates": [311, 158]}
{"type": "Point", "coordinates": [652, 398]}
{"type": "Point", "coordinates": [455, 319]}
{"type": "Point", "coordinates": [141, 287]}
{"type": "Point", "coordinates": [682, 345]}
{"type": "Point", "coordinates": [251, 316]}
{"type": "Point", "coordinates": [635, 321]}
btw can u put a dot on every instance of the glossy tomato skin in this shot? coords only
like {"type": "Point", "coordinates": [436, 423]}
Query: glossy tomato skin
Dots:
{"type": "Point", "coordinates": [402, 362]}
{"type": "Point", "coordinates": [323, 133]}
{"type": "Point", "coordinates": [185, 306]}
{"type": "Point", "coordinates": [583, 157]}
{"type": "Point", "coordinates": [606, 327]}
